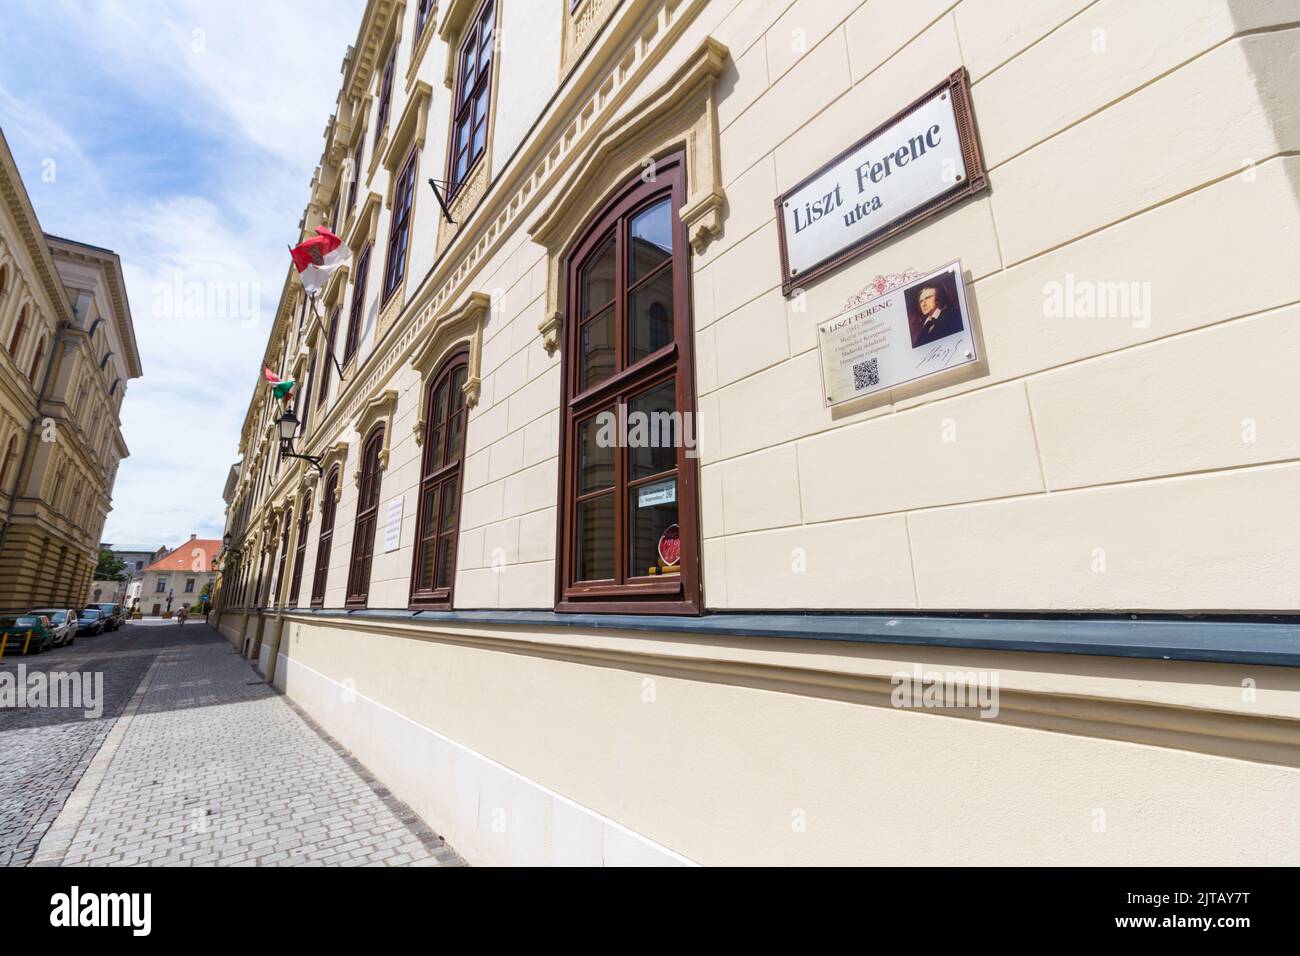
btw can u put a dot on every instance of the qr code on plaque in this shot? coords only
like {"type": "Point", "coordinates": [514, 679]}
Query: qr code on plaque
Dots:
{"type": "Point", "coordinates": [866, 374]}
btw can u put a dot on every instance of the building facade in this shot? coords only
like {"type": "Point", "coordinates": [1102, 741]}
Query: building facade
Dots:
{"type": "Point", "coordinates": [67, 352]}
{"type": "Point", "coordinates": [562, 647]}
{"type": "Point", "coordinates": [179, 578]}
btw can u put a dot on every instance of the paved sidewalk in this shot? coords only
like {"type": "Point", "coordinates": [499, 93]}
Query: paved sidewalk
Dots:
{"type": "Point", "coordinates": [213, 767]}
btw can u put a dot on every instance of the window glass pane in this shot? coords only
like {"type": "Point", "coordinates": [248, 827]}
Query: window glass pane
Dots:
{"type": "Point", "coordinates": [650, 316]}
{"type": "Point", "coordinates": [653, 431]}
{"type": "Point", "coordinates": [595, 463]}
{"type": "Point", "coordinates": [446, 557]}
{"type": "Point", "coordinates": [651, 240]}
{"type": "Point", "coordinates": [480, 139]}
{"type": "Point", "coordinates": [458, 387]}
{"type": "Point", "coordinates": [456, 428]}
{"type": "Point", "coordinates": [428, 539]}
{"type": "Point", "coordinates": [597, 349]}
{"type": "Point", "coordinates": [449, 502]}
{"type": "Point", "coordinates": [595, 539]}
{"type": "Point", "coordinates": [440, 404]}
{"type": "Point", "coordinates": [435, 448]}
{"type": "Point", "coordinates": [598, 279]}
{"type": "Point", "coordinates": [653, 537]}
{"type": "Point", "coordinates": [467, 61]}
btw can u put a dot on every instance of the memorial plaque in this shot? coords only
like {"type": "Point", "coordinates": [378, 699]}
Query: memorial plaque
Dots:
{"type": "Point", "coordinates": [913, 331]}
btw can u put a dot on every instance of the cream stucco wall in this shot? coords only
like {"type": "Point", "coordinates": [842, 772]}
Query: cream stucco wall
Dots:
{"type": "Point", "coordinates": [764, 752]}
{"type": "Point", "coordinates": [1142, 461]}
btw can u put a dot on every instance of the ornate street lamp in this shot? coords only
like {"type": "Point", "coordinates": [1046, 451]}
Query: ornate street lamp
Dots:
{"type": "Point", "coordinates": [288, 425]}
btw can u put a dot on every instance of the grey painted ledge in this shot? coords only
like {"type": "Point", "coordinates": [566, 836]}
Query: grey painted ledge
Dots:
{"type": "Point", "coordinates": [1266, 642]}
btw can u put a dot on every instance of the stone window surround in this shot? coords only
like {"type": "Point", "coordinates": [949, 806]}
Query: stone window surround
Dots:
{"type": "Point", "coordinates": [379, 409]}
{"type": "Point", "coordinates": [680, 114]}
{"type": "Point", "coordinates": [461, 327]}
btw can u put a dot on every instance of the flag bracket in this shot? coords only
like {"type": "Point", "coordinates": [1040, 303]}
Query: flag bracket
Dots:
{"type": "Point", "coordinates": [443, 200]}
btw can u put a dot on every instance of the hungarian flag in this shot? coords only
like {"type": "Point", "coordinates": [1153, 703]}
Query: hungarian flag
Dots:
{"type": "Point", "coordinates": [280, 388]}
{"type": "Point", "coordinates": [317, 258]}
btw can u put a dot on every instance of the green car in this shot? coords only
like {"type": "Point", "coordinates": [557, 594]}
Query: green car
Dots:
{"type": "Point", "coordinates": [15, 631]}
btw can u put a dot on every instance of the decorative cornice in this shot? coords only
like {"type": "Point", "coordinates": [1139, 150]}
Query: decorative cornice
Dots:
{"type": "Point", "coordinates": [370, 45]}
{"type": "Point", "coordinates": [24, 216]}
{"type": "Point", "coordinates": [1129, 700]}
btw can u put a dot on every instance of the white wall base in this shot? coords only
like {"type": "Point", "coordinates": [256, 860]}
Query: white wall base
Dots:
{"type": "Point", "coordinates": [489, 814]}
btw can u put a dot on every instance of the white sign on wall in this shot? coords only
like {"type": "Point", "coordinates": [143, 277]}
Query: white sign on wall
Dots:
{"type": "Point", "coordinates": [917, 163]}
{"type": "Point", "coordinates": [913, 331]}
{"type": "Point", "coordinates": [393, 524]}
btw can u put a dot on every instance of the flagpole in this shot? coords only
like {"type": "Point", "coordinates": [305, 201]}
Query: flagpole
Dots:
{"type": "Point", "coordinates": [329, 346]}
{"type": "Point", "coordinates": [325, 337]}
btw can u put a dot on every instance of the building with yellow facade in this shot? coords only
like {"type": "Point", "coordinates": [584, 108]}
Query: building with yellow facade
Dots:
{"type": "Point", "coordinates": [67, 352]}
{"type": "Point", "coordinates": [970, 333]}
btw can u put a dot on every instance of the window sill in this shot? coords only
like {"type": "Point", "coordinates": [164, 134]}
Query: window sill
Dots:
{"type": "Point", "coordinates": [1262, 642]}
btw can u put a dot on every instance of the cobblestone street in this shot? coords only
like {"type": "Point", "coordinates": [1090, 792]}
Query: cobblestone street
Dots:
{"type": "Point", "coordinates": [195, 761]}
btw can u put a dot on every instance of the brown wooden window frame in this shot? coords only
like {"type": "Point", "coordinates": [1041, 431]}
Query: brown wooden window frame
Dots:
{"type": "Point", "coordinates": [442, 441]}
{"type": "Point", "coordinates": [463, 115]}
{"type": "Point", "coordinates": [628, 593]}
{"type": "Point", "coordinates": [357, 312]}
{"type": "Point", "coordinates": [399, 232]}
{"type": "Point", "coordinates": [300, 548]}
{"type": "Point", "coordinates": [385, 103]}
{"type": "Point", "coordinates": [283, 559]}
{"type": "Point", "coordinates": [325, 540]}
{"type": "Point", "coordinates": [366, 524]}
{"type": "Point", "coordinates": [331, 336]}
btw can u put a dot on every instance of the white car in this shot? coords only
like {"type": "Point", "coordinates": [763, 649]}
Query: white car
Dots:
{"type": "Point", "coordinates": [63, 622]}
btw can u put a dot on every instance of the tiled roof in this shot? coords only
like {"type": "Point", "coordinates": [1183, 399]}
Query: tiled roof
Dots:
{"type": "Point", "coordinates": [184, 558]}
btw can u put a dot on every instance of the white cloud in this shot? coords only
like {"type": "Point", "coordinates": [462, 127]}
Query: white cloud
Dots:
{"type": "Point", "coordinates": [194, 169]}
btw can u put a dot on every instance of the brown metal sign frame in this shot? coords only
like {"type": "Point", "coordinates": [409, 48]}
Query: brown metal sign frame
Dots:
{"type": "Point", "coordinates": [957, 85]}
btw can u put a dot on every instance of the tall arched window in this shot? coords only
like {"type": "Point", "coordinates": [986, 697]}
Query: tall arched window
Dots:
{"type": "Point", "coordinates": [628, 499]}
{"type": "Point", "coordinates": [8, 459]}
{"type": "Point", "coordinates": [439, 510]}
{"type": "Point", "coordinates": [363, 536]}
{"type": "Point", "coordinates": [327, 507]}
{"type": "Point", "coordinates": [16, 340]}
{"type": "Point", "coordinates": [281, 562]}
{"type": "Point", "coordinates": [300, 548]}
{"type": "Point", "coordinates": [36, 361]}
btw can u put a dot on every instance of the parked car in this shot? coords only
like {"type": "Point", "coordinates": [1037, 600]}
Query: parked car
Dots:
{"type": "Point", "coordinates": [16, 629]}
{"type": "Point", "coordinates": [64, 622]}
{"type": "Point", "coordinates": [90, 622]}
{"type": "Point", "coordinates": [114, 617]}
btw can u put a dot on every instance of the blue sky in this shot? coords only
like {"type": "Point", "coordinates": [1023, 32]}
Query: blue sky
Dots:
{"type": "Point", "coordinates": [182, 134]}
